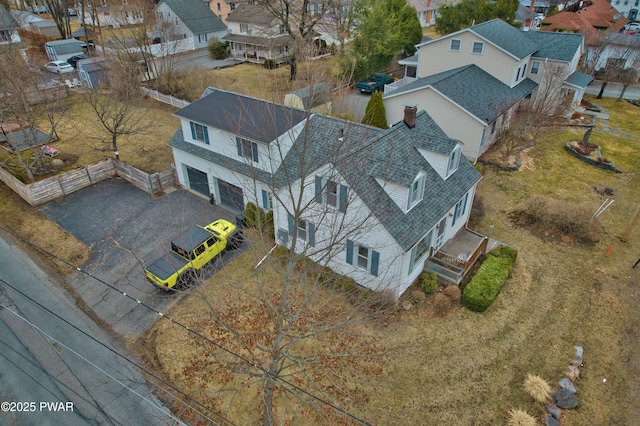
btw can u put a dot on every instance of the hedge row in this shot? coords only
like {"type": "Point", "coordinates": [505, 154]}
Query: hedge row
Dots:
{"type": "Point", "coordinates": [489, 279]}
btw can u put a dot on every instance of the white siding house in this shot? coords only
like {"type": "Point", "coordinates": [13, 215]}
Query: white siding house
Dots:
{"type": "Point", "coordinates": [371, 204]}
{"type": "Point", "coordinates": [190, 21]}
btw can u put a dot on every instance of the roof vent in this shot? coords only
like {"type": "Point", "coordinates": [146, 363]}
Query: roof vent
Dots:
{"type": "Point", "coordinates": [341, 137]}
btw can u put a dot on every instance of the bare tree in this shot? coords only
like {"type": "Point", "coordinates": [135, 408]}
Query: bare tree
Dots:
{"type": "Point", "coordinates": [20, 92]}
{"type": "Point", "coordinates": [302, 325]}
{"type": "Point", "coordinates": [118, 106]}
{"type": "Point", "coordinates": [59, 10]}
{"type": "Point", "coordinates": [298, 18]}
{"type": "Point", "coordinates": [549, 98]}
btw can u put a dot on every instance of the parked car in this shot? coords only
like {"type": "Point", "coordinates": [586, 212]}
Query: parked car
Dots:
{"type": "Point", "coordinates": [631, 27]}
{"type": "Point", "coordinates": [37, 9]}
{"type": "Point", "coordinates": [73, 61]}
{"type": "Point", "coordinates": [59, 67]}
{"type": "Point", "coordinates": [374, 83]}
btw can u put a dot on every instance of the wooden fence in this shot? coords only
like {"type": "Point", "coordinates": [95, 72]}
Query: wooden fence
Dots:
{"type": "Point", "coordinates": [65, 183]}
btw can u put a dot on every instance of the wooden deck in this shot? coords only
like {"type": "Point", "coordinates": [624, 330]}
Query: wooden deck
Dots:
{"type": "Point", "coordinates": [457, 256]}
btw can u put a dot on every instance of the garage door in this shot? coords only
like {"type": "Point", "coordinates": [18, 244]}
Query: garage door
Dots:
{"type": "Point", "coordinates": [198, 181]}
{"type": "Point", "coordinates": [230, 196]}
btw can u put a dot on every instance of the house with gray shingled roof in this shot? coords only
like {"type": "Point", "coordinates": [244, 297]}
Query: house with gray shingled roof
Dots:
{"type": "Point", "coordinates": [375, 205]}
{"type": "Point", "coordinates": [256, 35]}
{"type": "Point", "coordinates": [8, 27]}
{"type": "Point", "coordinates": [472, 81]}
{"type": "Point", "coordinates": [192, 21]}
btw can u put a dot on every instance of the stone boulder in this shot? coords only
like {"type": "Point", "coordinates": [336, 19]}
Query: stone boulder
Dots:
{"type": "Point", "coordinates": [554, 411]}
{"type": "Point", "coordinates": [565, 399]}
{"type": "Point", "coordinates": [567, 384]}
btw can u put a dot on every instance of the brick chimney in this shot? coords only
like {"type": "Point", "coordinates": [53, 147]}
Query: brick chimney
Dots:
{"type": "Point", "coordinates": [410, 115]}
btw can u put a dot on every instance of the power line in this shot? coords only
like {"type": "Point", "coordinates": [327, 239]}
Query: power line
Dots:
{"type": "Point", "coordinates": [197, 334]}
{"type": "Point", "coordinates": [92, 364]}
{"type": "Point", "coordinates": [26, 373]}
{"type": "Point", "coordinates": [124, 357]}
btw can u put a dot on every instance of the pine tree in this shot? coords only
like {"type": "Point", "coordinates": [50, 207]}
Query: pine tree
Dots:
{"type": "Point", "coordinates": [374, 115]}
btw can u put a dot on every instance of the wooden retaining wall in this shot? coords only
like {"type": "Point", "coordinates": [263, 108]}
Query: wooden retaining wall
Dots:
{"type": "Point", "coordinates": [65, 183]}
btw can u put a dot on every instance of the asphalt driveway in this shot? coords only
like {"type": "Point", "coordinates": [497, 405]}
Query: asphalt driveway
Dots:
{"type": "Point", "coordinates": [127, 229]}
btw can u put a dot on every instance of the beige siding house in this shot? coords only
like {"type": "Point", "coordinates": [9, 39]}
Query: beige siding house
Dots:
{"type": "Point", "coordinates": [471, 81]}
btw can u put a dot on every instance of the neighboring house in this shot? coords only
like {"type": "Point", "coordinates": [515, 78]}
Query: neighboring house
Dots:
{"type": "Point", "coordinates": [192, 21]}
{"type": "Point", "coordinates": [92, 72]}
{"type": "Point", "coordinates": [24, 18]}
{"type": "Point", "coordinates": [61, 50]}
{"type": "Point", "coordinates": [114, 14]}
{"type": "Point", "coordinates": [589, 17]}
{"type": "Point", "coordinates": [8, 27]}
{"type": "Point", "coordinates": [222, 8]}
{"type": "Point", "coordinates": [46, 27]}
{"type": "Point", "coordinates": [316, 98]}
{"type": "Point", "coordinates": [473, 80]}
{"type": "Point", "coordinates": [613, 50]}
{"type": "Point", "coordinates": [256, 35]}
{"type": "Point", "coordinates": [427, 11]}
{"type": "Point", "coordinates": [629, 8]}
{"type": "Point", "coordinates": [380, 203]}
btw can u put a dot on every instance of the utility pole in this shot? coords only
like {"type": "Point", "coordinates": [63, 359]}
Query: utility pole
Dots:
{"type": "Point", "coordinates": [627, 231]}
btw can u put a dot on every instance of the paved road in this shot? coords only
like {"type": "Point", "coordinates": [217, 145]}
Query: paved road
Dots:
{"type": "Point", "coordinates": [127, 229]}
{"type": "Point", "coordinates": [43, 359]}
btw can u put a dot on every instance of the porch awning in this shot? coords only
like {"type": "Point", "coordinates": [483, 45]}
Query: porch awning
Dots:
{"type": "Point", "coordinates": [257, 41]}
{"type": "Point", "coordinates": [579, 79]}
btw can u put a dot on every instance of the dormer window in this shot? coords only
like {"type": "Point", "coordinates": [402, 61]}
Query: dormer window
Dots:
{"type": "Point", "coordinates": [416, 191]}
{"type": "Point", "coordinates": [454, 161]}
{"type": "Point", "coordinates": [455, 45]}
{"type": "Point", "coordinates": [478, 48]}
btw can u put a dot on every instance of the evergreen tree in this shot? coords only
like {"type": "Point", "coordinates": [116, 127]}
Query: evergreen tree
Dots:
{"type": "Point", "coordinates": [469, 12]}
{"type": "Point", "coordinates": [375, 114]}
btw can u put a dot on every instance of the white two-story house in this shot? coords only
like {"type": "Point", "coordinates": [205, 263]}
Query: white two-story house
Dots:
{"type": "Point", "coordinates": [375, 205]}
{"type": "Point", "coordinates": [191, 23]}
{"type": "Point", "coordinates": [471, 81]}
{"type": "Point", "coordinates": [256, 35]}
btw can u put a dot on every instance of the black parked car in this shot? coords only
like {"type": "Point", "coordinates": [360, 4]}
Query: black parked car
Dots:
{"type": "Point", "coordinates": [73, 61]}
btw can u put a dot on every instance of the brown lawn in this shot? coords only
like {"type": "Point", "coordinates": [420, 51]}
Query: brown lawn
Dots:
{"type": "Point", "coordinates": [469, 368]}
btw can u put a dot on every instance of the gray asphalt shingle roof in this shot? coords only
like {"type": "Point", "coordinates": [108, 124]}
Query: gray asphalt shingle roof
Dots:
{"type": "Point", "coordinates": [7, 21]}
{"type": "Point", "coordinates": [361, 154]}
{"type": "Point", "coordinates": [506, 37]}
{"type": "Point", "coordinates": [247, 117]}
{"type": "Point", "coordinates": [475, 90]}
{"type": "Point", "coordinates": [579, 79]}
{"type": "Point", "coordinates": [251, 14]}
{"type": "Point", "coordinates": [556, 46]}
{"type": "Point", "coordinates": [196, 15]}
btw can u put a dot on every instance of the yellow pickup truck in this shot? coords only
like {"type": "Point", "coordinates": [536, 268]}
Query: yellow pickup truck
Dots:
{"type": "Point", "coordinates": [194, 249]}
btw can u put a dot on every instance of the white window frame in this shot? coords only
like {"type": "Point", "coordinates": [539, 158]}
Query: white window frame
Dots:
{"type": "Point", "coordinates": [454, 161]}
{"type": "Point", "coordinates": [460, 209]}
{"type": "Point", "coordinates": [459, 45]}
{"type": "Point", "coordinates": [473, 48]}
{"type": "Point", "coordinates": [416, 191]}
{"type": "Point", "coordinates": [360, 257]}
{"type": "Point", "coordinates": [535, 67]}
{"type": "Point", "coordinates": [302, 228]}
{"type": "Point", "coordinates": [198, 130]}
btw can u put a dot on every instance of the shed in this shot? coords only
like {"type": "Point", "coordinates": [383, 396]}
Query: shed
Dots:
{"type": "Point", "coordinates": [316, 98]}
{"type": "Point", "coordinates": [93, 72]}
{"type": "Point", "coordinates": [61, 50]}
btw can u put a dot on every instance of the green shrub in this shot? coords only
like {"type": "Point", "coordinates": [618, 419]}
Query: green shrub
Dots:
{"type": "Point", "coordinates": [429, 282]}
{"type": "Point", "coordinates": [489, 279]}
{"type": "Point", "coordinates": [251, 215]}
{"type": "Point", "coordinates": [345, 284]}
{"type": "Point", "coordinates": [269, 64]}
{"type": "Point", "coordinates": [479, 167]}
{"type": "Point", "coordinates": [218, 49]}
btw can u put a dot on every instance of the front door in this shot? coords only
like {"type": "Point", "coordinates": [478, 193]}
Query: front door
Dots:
{"type": "Point", "coordinates": [440, 228]}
